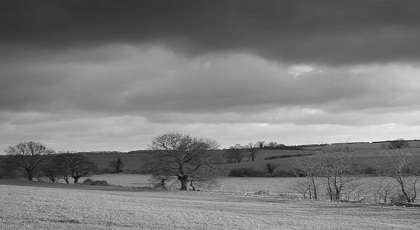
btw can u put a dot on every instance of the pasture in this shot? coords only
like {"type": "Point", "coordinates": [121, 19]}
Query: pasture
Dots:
{"type": "Point", "coordinates": [59, 207]}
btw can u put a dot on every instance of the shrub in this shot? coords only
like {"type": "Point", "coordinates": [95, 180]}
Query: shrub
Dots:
{"type": "Point", "coordinates": [96, 182]}
{"type": "Point", "coordinates": [87, 181]}
{"type": "Point", "coordinates": [246, 172]}
{"type": "Point", "coordinates": [283, 173]}
{"type": "Point", "coordinates": [369, 171]}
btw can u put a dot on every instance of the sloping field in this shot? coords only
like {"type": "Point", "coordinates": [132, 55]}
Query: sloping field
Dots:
{"type": "Point", "coordinates": [132, 161]}
{"type": "Point", "coordinates": [60, 208]}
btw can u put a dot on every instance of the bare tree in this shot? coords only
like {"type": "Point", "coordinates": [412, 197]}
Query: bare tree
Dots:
{"type": "Point", "coordinates": [186, 158]}
{"type": "Point", "coordinates": [117, 165]}
{"type": "Point", "coordinates": [304, 187]}
{"type": "Point", "coordinates": [382, 192]}
{"type": "Point", "coordinates": [337, 171]}
{"type": "Point", "coordinates": [234, 154]}
{"type": "Point", "coordinates": [312, 167]}
{"type": "Point", "coordinates": [75, 165]}
{"type": "Point", "coordinates": [405, 169]}
{"type": "Point", "coordinates": [28, 156]}
{"type": "Point", "coordinates": [51, 169]}
{"type": "Point", "coordinates": [253, 148]}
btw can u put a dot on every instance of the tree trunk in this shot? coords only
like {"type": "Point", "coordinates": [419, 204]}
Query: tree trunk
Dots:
{"type": "Point", "coordinates": [184, 182]}
{"type": "Point", "coordinates": [76, 179]}
{"type": "Point", "coordinates": [30, 174]}
{"type": "Point", "coordinates": [314, 186]}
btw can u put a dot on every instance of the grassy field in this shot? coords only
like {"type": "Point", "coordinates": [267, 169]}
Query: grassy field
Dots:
{"type": "Point", "coordinates": [58, 207]}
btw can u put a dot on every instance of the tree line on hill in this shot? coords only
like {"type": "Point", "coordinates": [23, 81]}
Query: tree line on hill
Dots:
{"type": "Point", "coordinates": [237, 153]}
{"type": "Point", "coordinates": [35, 160]}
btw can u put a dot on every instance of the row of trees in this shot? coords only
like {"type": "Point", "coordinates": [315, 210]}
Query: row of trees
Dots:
{"type": "Point", "coordinates": [35, 159]}
{"type": "Point", "coordinates": [236, 153]}
{"type": "Point", "coordinates": [332, 173]}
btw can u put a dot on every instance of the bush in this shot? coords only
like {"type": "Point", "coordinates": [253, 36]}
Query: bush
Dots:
{"type": "Point", "coordinates": [246, 172]}
{"type": "Point", "coordinates": [96, 182]}
{"type": "Point", "coordinates": [87, 181]}
{"type": "Point", "coordinates": [369, 171]}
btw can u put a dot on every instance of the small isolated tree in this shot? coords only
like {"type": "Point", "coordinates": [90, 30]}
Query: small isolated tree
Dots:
{"type": "Point", "coordinates": [261, 144]}
{"type": "Point", "coordinates": [28, 156]}
{"type": "Point", "coordinates": [234, 154]}
{"type": "Point", "coordinates": [188, 159]}
{"type": "Point", "coordinates": [253, 149]}
{"type": "Point", "coordinates": [271, 167]}
{"type": "Point", "coordinates": [405, 169]}
{"type": "Point", "coordinates": [116, 166]}
{"type": "Point", "coordinates": [75, 165]}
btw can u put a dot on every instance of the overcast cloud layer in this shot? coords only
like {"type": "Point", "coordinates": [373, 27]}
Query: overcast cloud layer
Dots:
{"type": "Point", "coordinates": [110, 75]}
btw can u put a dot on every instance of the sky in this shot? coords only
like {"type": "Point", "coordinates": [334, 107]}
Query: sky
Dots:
{"type": "Point", "coordinates": [111, 75]}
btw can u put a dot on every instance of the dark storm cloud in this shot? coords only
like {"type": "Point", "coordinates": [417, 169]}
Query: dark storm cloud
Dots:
{"type": "Point", "coordinates": [326, 32]}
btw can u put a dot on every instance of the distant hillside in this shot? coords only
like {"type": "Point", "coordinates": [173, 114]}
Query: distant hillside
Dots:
{"type": "Point", "coordinates": [132, 160]}
{"type": "Point", "coordinates": [365, 154]}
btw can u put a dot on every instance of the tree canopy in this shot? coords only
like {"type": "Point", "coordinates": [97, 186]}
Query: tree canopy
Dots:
{"type": "Point", "coordinates": [189, 159]}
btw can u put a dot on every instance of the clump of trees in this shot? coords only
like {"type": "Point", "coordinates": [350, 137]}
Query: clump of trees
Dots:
{"type": "Point", "coordinates": [333, 174]}
{"type": "Point", "coordinates": [190, 160]}
{"type": "Point", "coordinates": [36, 160]}
{"type": "Point", "coordinates": [274, 145]}
{"type": "Point", "coordinates": [396, 144]}
{"type": "Point", "coordinates": [75, 165]}
{"type": "Point", "coordinates": [234, 154]}
{"type": "Point", "coordinates": [332, 170]}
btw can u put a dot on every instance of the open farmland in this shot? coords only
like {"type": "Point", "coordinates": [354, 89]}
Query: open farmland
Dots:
{"type": "Point", "coordinates": [61, 208]}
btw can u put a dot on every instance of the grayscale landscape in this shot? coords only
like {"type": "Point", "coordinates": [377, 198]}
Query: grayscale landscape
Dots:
{"type": "Point", "coordinates": [209, 114]}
